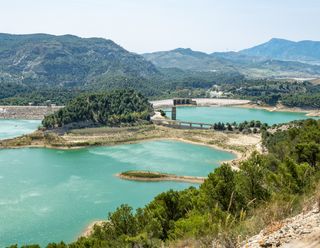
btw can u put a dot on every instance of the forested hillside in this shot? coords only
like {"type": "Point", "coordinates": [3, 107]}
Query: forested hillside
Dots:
{"type": "Point", "coordinates": [35, 68]}
{"type": "Point", "coordinates": [41, 69]}
{"type": "Point", "coordinates": [272, 92]}
{"type": "Point", "coordinates": [187, 59]}
{"type": "Point", "coordinates": [42, 59]}
{"type": "Point", "coordinates": [112, 109]}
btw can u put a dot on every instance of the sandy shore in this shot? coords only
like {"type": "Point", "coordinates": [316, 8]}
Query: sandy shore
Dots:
{"type": "Point", "coordinates": [201, 102]}
{"type": "Point", "coordinates": [237, 143]}
{"type": "Point", "coordinates": [89, 229]}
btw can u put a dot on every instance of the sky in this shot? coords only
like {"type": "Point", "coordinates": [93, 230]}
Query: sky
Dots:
{"type": "Point", "coordinates": [156, 25]}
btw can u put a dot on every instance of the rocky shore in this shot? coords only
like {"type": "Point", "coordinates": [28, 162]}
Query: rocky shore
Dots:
{"type": "Point", "coordinates": [301, 231]}
{"type": "Point", "coordinates": [26, 112]}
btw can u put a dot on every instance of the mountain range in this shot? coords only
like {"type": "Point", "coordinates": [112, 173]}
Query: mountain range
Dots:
{"type": "Point", "coordinates": [67, 60]}
{"type": "Point", "coordinates": [275, 58]}
{"type": "Point", "coordinates": [44, 61]}
{"type": "Point", "coordinates": [280, 49]}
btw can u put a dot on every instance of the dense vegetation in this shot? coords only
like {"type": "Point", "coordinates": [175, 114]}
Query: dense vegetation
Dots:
{"type": "Point", "coordinates": [112, 108]}
{"type": "Point", "coordinates": [169, 84]}
{"type": "Point", "coordinates": [304, 100]}
{"type": "Point", "coordinates": [244, 127]}
{"type": "Point", "coordinates": [36, 68]}
{"type": "Point", "coordinates": [292, 94]}
{"type": "Point", "coordinates": [41, 59]}
{"type": "Point", "coordinates": [229, 203]}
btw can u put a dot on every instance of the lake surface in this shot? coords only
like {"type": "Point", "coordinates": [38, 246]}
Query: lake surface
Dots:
{"type": "Point", "coordinates": [14, 128]}
{"type": "Point", "coordinates": [52, 195]}
{"type": "Point", "coordinates": [231, 114]}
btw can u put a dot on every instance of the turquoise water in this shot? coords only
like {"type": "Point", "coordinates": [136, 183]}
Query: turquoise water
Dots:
{"type": "Point", "coordinates": [231, 114]}
{"type": "Point", "coordinates": [52, 195]}
{"type": "Point", "coordinates": [14, 128]}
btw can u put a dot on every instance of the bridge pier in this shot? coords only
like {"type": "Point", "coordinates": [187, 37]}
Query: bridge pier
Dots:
{"type": "Point", "coordinates": [174, 113]}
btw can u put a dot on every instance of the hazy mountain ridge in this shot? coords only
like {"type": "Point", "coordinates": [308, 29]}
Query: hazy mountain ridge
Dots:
{"type": "Point", "coordinates": [42, 62]}
{"type": "Point", "coordinates": [187, 59]}
{"type": "Point", "coordinates": [303, 51]}
{"type": "Point", "coordinates": [276, 58]}
{"type": "Point", "coordinates": [29, 63]}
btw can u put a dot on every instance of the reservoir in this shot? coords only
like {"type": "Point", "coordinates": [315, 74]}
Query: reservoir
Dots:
{"type": "Point", "coordinates": [14, 128]}
{"type": "Point", "coordinates": [52, 195]}
{"type": "Point", "coordinates": [230, 114]}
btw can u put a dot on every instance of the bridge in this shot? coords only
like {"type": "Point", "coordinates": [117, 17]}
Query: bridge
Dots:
{"type": "Point", "coordinates": [181, 102]}
{"type": "Point", "coordinates": [183, 124]}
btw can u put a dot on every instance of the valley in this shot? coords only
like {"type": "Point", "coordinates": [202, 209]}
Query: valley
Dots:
{"type": "Point", "coordinates": [86, 137]}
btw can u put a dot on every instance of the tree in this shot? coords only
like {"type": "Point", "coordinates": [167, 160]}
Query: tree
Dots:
{"type": "Point", "coordinates": [123, 221]}
{"type": "Point", "coordinates": [252, 179]}
{"type": "Point", "coordinates": [220, 188]}
{"type": "Point", "coordinates": [308, 152]}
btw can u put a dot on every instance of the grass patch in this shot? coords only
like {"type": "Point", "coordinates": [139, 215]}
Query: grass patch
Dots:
{"type": "Point", "coordinates": [144, 174]}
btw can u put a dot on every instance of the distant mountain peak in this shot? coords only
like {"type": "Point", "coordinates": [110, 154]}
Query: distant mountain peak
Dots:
{"type": "Point", "coordinates": [180, 49]}
{"type": "Point", "coordinates": [279, 40]}
{"type": "Point", "coordinates": [282, 49]}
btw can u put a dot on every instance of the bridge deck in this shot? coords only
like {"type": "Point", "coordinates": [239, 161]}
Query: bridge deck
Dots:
{"type": "Point", "coordinates": [185, 124]}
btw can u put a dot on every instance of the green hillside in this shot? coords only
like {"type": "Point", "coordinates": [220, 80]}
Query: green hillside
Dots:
{"type": "Point", "coordinates": [112, 109]}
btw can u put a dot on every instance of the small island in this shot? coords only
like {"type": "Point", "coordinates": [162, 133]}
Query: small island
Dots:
{"type": "Point", "coordinates": [149, 176]}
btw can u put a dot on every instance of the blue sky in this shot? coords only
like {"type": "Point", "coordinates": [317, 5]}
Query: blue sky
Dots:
{"type": "Point", "coordinates": [153, 25]}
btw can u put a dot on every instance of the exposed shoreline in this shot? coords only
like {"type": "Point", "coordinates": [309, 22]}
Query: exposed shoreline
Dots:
{"type": "Point", "coordinates": [89, 228]}
{"type": "Point", "coordinates": [282, 108]}
{"type": "Point", "coordinates": [201, 102]}
{"type": "Point", "coordinates": [164, 177]}
{"type": "Point", "coordinates": [238, 144]}
{"type": "Point", "coordinates": [233, 163]}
